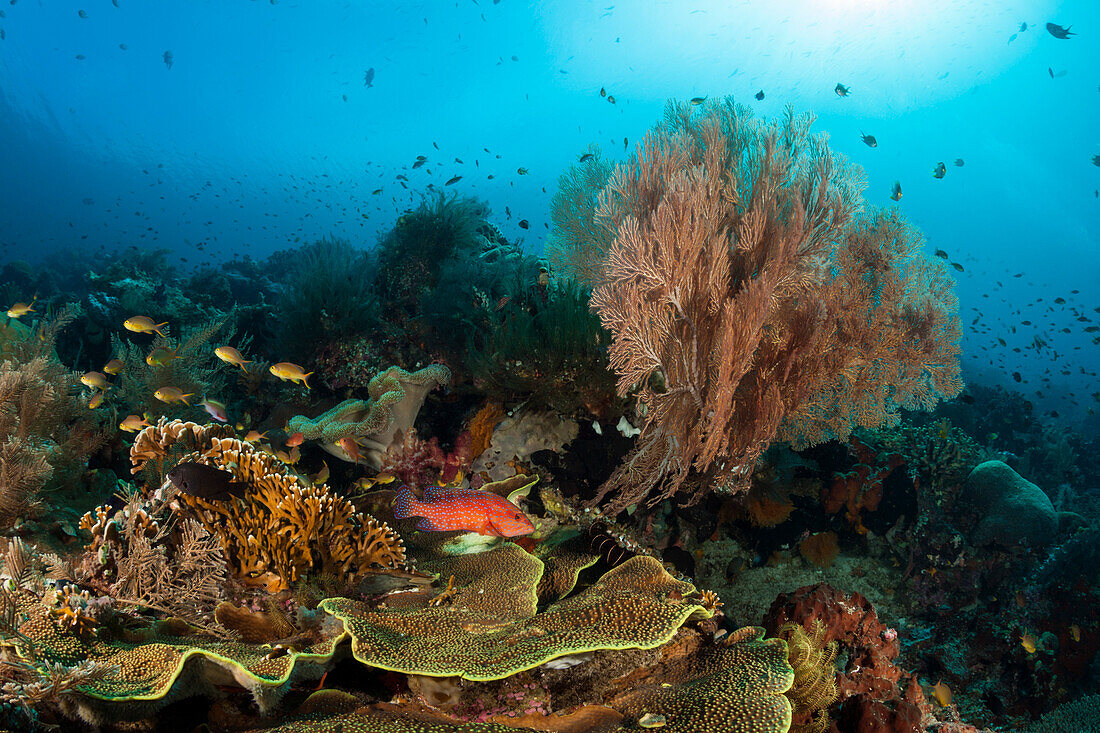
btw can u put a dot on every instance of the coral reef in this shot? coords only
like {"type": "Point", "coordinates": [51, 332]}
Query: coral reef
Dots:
{"type": "Point", "coordinates": [869, 647]}
{"type": "Point", "coordinates": [1012, 510]}
{"type": "Point", "coordinates": [806, 353]}
{"type": "Point", "coordinates": [284, 527]}
{"type": "Point", "coordinates": [410, 255]}
{"type": "Point", "coordinates": [46, 432]}
{"type": "Point", "coordinates": [546, 350]}
{"type": "Point", "coordinates": [330, 297]}
{"type": "Point", "coordinates": [491, 627]}
{"type": "Point", "coordinates": [395, 399]}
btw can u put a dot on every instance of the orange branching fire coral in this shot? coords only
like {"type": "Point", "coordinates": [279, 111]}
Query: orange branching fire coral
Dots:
{"type": "Point", "coordinates": [284, 527]}
{"type": "Point", "coordinates": [751, 300]}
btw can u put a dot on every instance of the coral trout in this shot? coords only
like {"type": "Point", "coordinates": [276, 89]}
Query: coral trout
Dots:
{"type": "Point", "coordinates": [445, 509]}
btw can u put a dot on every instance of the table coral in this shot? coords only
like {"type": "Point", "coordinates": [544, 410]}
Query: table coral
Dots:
{"type": "Point", "coordinates": [395, 398]}
{"type": "Point", "coordinates": [736, 688]}
{"type": "Point", "coordinates": [152, 674]}
{"type": "Point", "coordinates": [491, 630]}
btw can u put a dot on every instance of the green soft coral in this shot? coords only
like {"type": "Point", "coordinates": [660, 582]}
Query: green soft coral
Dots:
{"type": "Point", "coordinates": [395, 399]}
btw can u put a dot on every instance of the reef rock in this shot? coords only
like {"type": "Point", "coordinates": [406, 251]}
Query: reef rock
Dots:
{"type": "Point", "coordinates": [1012, 510]}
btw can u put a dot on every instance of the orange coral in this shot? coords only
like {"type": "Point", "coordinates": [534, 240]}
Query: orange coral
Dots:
{"type": "Point", "coordinates": [284, 527]}
{"type": "Point", "coordinates": [749, 301]}
{"type": "Point", "coordinates": [860, 489]}
{"type": "Point", "coordinates": [482, 425]}
{"type": "Point", "coordinates": [820, 549]}
{"type": "Point", "coordinates": [766, 512]}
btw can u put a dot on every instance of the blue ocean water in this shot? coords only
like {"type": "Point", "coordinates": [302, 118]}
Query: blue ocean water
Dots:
{"type": "Point", "coordinates": [262, 133]}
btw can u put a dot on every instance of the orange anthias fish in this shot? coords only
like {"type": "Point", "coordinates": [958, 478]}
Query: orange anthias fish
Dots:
{"type": "Point", "coordinates": [1028, 642]}
{"type": "Point", "coordinates": [231, 356]}
{"type": "Point", "coordinates": [351, 448]}
{"type": "Point", "coordinates": [289, 371]}
{"type": "Point", "coordinates": [133, 423]}
{"type": "Point", "coordinates": [445, 509]}
{"type": "Point", "coordinates": [143, 324]}
{"type": "Point", "coordinates": [942, 693]}
{"type": "Point", "coordinates": [172, 394]}
{"type": "Point", "coordinates": [21, 309]}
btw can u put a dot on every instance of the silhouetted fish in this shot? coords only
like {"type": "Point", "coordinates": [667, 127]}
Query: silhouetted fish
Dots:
{"type": "Point", "coordinates": [1059, 32]}
{"type": "Point", "coordinates": [206, 482]}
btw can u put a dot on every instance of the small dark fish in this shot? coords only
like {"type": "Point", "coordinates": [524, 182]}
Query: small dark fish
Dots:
{"type": "Point", "coordinates": [1096, 160]}
{"type": "Point", "coordinates": [611, 99]}
{"type": "Point", "coordinates": [940, 253]}
{"type": "Point", "coordinates": [206, 482]}
{"type": "Point", "coordinates": [603, 92]}
{"type": "Point", "coordinates": [82, 14]}
{"type": "Point", "coordinates": [842, 91]}
{"type": "Point", "coordinates": [454, 180]}
{"type": "Point", "coordinates": [696, 101]}
{"type": "Point", "coordinates": [524, 224]}
{"type": "Point", "coordinates": [959, 162]}
{"type": "Point", "coordinates": [419, 163]}
{"type": "Point", "coordinates": [1059, 32]}
{"type": "Point", "coordinates": [940, 170]}
{"type": "Point", "coordinates": [1023, 27]}
{"type": "Point", "coordinates": [1051, 72]}
{"type": "Point", "coordinates": [895, 191]}
{"type": "Point", "coordinates": [1060, 301]}
{"type": "Point", "coordinates": [869, 140]}
{"type": "Point", "coordinates": [957, 266]}
{"type": "Point", "coordinates": [585, 158]}
{"type": "Point", "coordinates": [1017, 377]}
{"type": "Point", "coordinates": [759, 95]}
{"type": "Point", "coordinates": [168, 59]}
{"type": "Point", "coordinates": [368, 78]}
{"type": "Point", "coordinates": [521, 171]}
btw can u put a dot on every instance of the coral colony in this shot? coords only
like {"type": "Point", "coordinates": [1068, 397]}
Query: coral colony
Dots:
{"type": "Point", "coordinates": [701, 468]}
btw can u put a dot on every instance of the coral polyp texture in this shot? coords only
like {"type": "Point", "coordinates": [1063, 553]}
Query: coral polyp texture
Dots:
{"type": "Point", "coordinates": [284, 527]}
{"type": "Point", "coordinates": [395, 398]}
{"type": "Point", "coordinates": [140, 676]}
{"type": "Point", "coordinates": [492, 628]}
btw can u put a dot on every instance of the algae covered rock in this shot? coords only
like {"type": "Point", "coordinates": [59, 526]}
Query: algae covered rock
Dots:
{"type": "Point", "coordinates": [1012, 510]}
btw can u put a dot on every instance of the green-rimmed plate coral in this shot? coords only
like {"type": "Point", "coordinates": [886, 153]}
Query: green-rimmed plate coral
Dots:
{"type": "Point", "coordinates": [489, 629]}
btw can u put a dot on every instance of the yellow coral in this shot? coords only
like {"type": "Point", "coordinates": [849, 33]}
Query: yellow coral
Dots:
{"type": "Point", "coordinates": [814, 688]}
{"type": "Point", "coordinates": [284, 527]}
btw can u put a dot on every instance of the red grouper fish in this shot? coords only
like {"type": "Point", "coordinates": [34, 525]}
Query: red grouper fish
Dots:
{"type": "Point", "coordinates": [445, 509]}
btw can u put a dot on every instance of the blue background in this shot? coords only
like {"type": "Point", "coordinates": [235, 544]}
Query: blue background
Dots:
{"type": "Point", "coordinates": [263, 134]}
